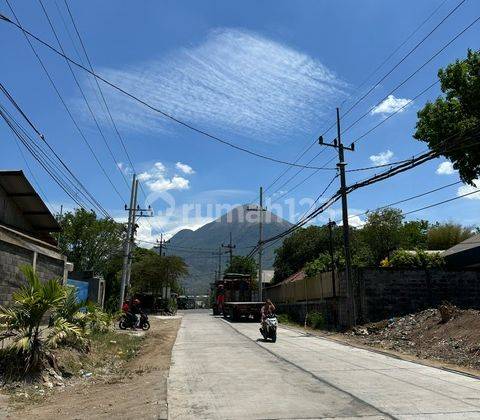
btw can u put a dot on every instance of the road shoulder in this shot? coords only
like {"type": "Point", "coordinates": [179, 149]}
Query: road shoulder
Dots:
{"type": "Point", "coordinates": [140, 388]}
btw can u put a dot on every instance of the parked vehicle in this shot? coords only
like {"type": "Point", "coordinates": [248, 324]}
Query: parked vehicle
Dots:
{"type": "Point", "coordinates": [142, 323]}
{"type": "Point", "coordinates": [233, 297]}
{"type": "Point", "coordinates": [269, 328]}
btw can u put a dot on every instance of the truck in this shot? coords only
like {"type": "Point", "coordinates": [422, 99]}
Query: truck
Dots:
{"type": "Point", "coordinates": [239, 291]}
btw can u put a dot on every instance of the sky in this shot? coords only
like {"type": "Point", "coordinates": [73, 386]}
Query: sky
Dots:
{"type": "Point", "coordinates": [266, 76]}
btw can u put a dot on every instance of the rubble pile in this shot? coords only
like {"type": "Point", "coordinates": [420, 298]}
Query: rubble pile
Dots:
{"type": "Point", "coordinates": [447, 334]}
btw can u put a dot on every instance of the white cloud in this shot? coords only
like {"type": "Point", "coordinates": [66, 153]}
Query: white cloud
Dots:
{"type": "Point", "coordinates": [466, 189]}
{"type": "Point", "coordinates": [235, 80]}
{"type": "Point", "coordinates": [445, 168]}
{"type": "Point", "coordinates": [382, 158]}
{"type": "Point", "coordinates": [391, 105]}
{"type": "Point", "coordinates": [186, 169]}
{"type": "Point", "coordinates": [156, 179]}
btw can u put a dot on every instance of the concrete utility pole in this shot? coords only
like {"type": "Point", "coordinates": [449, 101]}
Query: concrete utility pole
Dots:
{"type": "Point", "coordinates": [330, 225]}
{"type": "Point", "coordinates": [230, 248]}
{"type": "Point", "coordinates": [126, 246]}
{"type": "Point", "coordinates": [337, 144]}
{"type": "Point", "coordinates": [219, 263]}
{"type": "Point", "coordinates": [260, 209]}
{"type": "Point", "coordinates": [133, 211]}
{"type": "Point", "coordinates": [160, 245]}
{"type": "Point", "coordinates": [132, 235]}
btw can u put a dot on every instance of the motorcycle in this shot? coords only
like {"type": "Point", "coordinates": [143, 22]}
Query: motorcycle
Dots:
{"type": "Point", "coordinates": [269, 329]}
{"type": "Point", "coordinates": [125, 322]}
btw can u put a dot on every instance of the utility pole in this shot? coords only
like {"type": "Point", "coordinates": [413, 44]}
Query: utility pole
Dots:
{"type": "Point", "coordinates": [134, 211]}
{"type": "Point", "coordinates": [260, 209]}
{"type": "Point", "coordinates": [330, 225]}
{"type": "Point", "coordinates": [126, 246]}
{"type": "Point", "coordinates": [337, 144]}
{"type": "Point", "coordinates": [132, 235]}
{"type": "Point", "coordinates": [219, 263]}
{"type": "Point", "coordinates": [160, 245]}
{"type": "Point", "coordinates": [230, 248]}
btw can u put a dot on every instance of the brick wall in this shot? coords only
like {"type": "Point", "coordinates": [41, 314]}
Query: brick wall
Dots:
{"type": "Point", "coordinates": [11, 258]}
{"type": "Point", "coordinates": [49, 268]}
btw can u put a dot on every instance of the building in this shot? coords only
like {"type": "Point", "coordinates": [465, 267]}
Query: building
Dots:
{"type": "Point", "coordinates": [466, 254]}
{"type": "Point", "coordinates": [25, 227]}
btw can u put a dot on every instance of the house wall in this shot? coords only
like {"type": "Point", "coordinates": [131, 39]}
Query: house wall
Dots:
{"type": "Point", "coordinates": [15, 251]}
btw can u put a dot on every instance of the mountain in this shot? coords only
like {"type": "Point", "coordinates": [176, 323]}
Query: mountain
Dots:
{"type": "Point", "coordinates": [200, 248]}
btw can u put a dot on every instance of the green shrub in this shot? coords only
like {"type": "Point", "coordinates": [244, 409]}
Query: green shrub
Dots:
{"type": "Point", "coordinates": [284, 319]}
{"type": "Point", "coordinates": [315, 320]}
{"type": "Point", "coordinates": [416, 259]}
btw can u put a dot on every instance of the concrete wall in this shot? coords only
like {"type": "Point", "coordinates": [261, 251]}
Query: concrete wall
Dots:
{"type": "Point", "coordinates": [11, 258]}
{"type": "Point", "coordinates": [17, 250]}
{"type": "Point", "coordinates": [380, 293]}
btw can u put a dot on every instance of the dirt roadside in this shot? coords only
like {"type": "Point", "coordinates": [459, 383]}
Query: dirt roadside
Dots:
{"type": "Point", "coordinates": [141, 391]}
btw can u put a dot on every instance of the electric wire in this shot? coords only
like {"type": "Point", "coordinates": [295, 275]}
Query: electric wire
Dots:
{"type": "Point", "coordinates": [62, 100]}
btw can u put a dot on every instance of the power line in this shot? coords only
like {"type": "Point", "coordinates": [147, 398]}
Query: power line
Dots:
{"type": "Point", "coordinates": [122, 142]}
{"type": "Point", "coordinates": [57, 91]}
{"type": "Point", "coordinates": [401, 45]}
{"type": "Point", "coordinates": [90, 197]}
{"type": "Point", "coordinates": [404, 58]}
{"type": "Point", "coordinates": [152, 107]}
{"type": "Point", "coordinates": [413, 74]}
{"type": "Point", "coordinates": [115, 160]}
{"type": "Point", "coordinates": [361, 85]}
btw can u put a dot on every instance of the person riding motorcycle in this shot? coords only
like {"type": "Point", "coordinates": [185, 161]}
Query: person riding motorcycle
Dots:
{"type": "Point", "coordinates": [136, 310]}
{"type": "Point", "coordinates": [127, 310]}
{"type": "Point", "coordinates": [267, 309]}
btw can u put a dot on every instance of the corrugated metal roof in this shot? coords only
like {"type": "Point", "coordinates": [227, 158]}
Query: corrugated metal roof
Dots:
{"type": "Point", "coordinates": [472, 242]}
{"type": "Point", "coordinates": [34, 210]}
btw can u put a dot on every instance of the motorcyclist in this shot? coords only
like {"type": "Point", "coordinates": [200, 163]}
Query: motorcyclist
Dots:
{"type": "Point", "coordinates": [137, 310]}
{"type": "Point", "coordinates": [267, 309]}
{"type": "Point", "coordinates": [128, 310]}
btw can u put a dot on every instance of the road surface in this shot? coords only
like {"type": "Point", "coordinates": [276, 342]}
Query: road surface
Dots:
{"type": "Point", "coordinates": [221, 370]}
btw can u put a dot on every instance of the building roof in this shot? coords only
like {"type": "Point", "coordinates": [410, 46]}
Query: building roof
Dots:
{"type": "Point", "coordinates": [34, 210]}
{"type": "Point", "coordinates": [299, 275]}
{"type": "Point", "coordinates": [464, 254]}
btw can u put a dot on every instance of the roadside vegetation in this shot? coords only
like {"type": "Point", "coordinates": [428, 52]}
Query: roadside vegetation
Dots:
{"type": "Point", "coordinates": [43, 319]}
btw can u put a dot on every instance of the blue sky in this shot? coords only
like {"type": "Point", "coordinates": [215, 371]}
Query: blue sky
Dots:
{"type": "Point", "coordinates": [264, 75]}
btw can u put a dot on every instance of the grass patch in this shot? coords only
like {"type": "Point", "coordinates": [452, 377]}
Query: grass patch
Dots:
{"type": "Point", "coordinates": [107, 352]}
{"type": "Point", "coordinates": [315, 320]}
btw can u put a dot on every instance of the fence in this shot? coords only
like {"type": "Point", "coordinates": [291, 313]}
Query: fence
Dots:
{"type": "Point", "coordinates": [376, 294]}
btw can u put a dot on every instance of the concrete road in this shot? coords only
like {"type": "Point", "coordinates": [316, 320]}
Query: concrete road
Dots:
{"type": "Point", "coordinates": [222, 370]}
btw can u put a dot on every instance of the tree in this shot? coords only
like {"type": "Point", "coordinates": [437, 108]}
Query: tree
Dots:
{"type": "Point", "coordinates": [444, 236]}
{"type": "Point", "coordinates": [382, 233]}
{"type": "Point", "coordinates": [413, 234]}
{"type": "Point", "coordinates": [304, 245]}
{"type": "Point", "coordinates": [89, 242]}
{"type": "Point", "coordinates": [151, 272]}
{"type": "Point", "coordinates": [450, 125]}
{"type": "Point", "coordinates": [243, 265]}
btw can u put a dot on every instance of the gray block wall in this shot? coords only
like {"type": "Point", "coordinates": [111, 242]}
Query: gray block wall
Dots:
{"type": "Point", "coordinates": [12, 257]}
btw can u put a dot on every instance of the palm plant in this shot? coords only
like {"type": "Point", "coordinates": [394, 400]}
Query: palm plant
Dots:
{"type": "Point", "coordinates": [33, 302]}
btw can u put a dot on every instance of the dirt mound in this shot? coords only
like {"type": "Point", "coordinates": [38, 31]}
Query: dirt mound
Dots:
{"type": "Point", "coordinates": [428, 335]}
